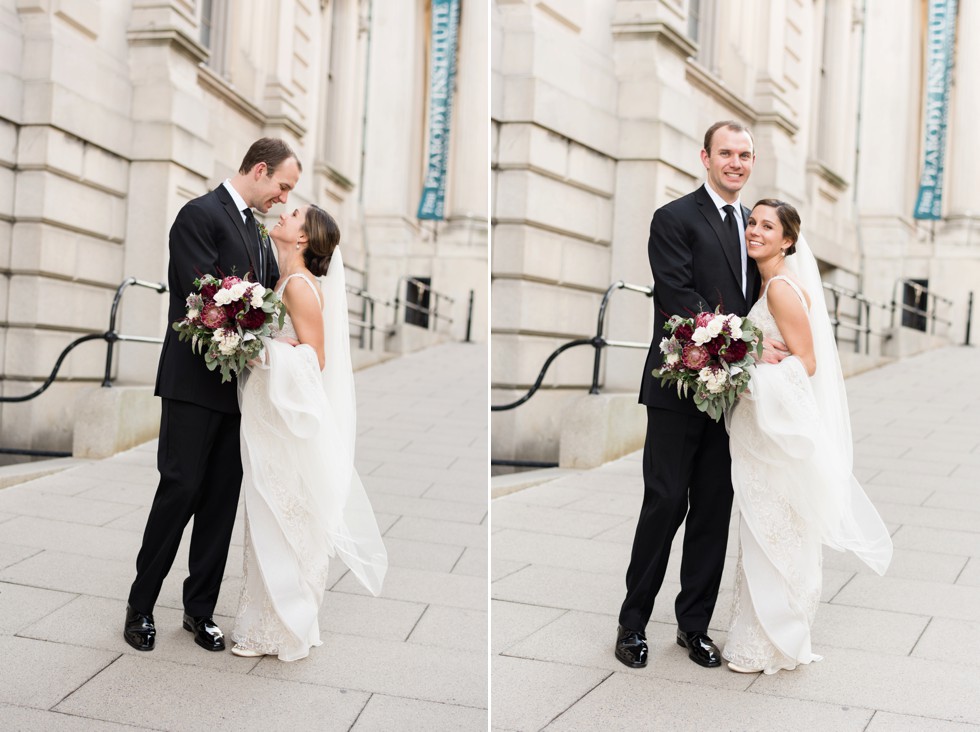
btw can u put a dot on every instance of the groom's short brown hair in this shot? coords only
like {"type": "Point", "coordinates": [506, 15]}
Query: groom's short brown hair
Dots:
{"type": "Point", "coordinates": [269, 150]}
{"type": "Point", "coordinates": [730, 124]}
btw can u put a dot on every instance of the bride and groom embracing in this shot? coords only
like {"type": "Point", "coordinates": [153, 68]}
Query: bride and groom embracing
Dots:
{"type": "Point", "coordinates": [784, 452]}
{"type": "Point", "coordinates": [282, 433]}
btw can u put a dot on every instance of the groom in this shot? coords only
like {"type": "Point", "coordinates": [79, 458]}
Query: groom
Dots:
{"type": "Point", "coordinates": [699, 261]}
{"type": "Point", "coordinates": [198, 455]}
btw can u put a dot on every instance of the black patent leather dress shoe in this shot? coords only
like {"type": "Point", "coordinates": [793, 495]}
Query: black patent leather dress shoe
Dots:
{"type": "Point", "coordinates": [206, 634]}
{"type": "Point", "coordinates": [700, 648]}
{"type": "Point", "coordinates": [631, 647]}
{"type": "Point", "coordinates": [139, 630]}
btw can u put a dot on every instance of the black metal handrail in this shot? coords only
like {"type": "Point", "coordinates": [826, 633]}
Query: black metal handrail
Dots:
{"type": "Point", "coordinates": [421, 288]}
{"type": "Point", "coordinates": [863, 323]}
{"type": "Point", "coordinates": [367, 320]}
{"type": "Point", "coordinates": [598, 342]}
{"type": "Point", "coordinates": [110, 337]}
{"type": "Point", "coordinates": [930, 314]}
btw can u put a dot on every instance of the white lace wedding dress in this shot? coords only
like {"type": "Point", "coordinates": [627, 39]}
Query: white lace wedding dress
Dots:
{"type": "Point", "coordinates": [795, 491]}
{"type": "Point", "coordinates": [304, 502]}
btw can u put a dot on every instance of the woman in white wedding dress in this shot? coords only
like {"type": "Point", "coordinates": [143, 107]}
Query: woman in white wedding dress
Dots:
{"type": "Point", "coordinates": [792, 460]}
{"type": "Point", "coordinates": [304, 501]}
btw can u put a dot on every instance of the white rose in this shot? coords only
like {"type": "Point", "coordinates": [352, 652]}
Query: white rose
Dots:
{"type": "Point", "coordinates": [223, 297]}
{"type": "Point", "coordinates": [714, 327]}
{"type": "Point", "coordinates": [193, 313]}
{"type": "Point", "coordinates": [238, 290]}
{"type": "Point", "coordinates": [701, 336]}
{"type": "Point", "coordinates": [672, 359]}
{"type": "Point", "coordinates": [736, 332]}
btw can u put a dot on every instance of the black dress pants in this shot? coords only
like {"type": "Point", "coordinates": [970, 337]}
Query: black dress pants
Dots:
{"type": "Point", "coordinates": [200, 466]}
{"type": "Point", "coordinates": [686, 471]}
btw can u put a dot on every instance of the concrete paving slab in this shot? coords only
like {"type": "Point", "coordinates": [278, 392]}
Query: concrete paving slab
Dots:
{"type": "Point", "coordinates": [399, 669]}
{"type": "Point", "coordinates": [422, 554]}
{"type": "Point", "coordinates": [842, 626]}
{"type": "Point", "coordinates": [21, 605]}
{"type": "Point", "coordinates": [562, 588]}
{"type": "Point", "coordinates": [385, 713]}
{"type": "Point", "coordinates": [431, 508]}
{"type": "Point", "coordinates": [444, 532]}
{"type": "Point", "coordinates": [83, 539]}
{"type": "Point", "coordinates": [913, 496]}
{"type": "Point", "coordinates": [589, 555]}
{"type": "Point", "coordinates": [24, 718]}
{"type": "Point", "coordinates": [902, 685]}
{"type": "Point", "coordinates": [500, 568]}
{"type": "Point", "coordinates": [950, 640]}
{"type": "Point", "coordinates": [623, 699]}
{"type": "Point", "coordinates": [512, 622]}
{"type": "Point", "coordinates": [417, 585]}
{"type": "Point", "coordinates": [472, 563]}
{"type": "Point", "coordinates": [72, 573]}
{"type": "Point", "coordinates": [372, 617]}
{"type": "Point", "coordinates": [231, 702]}
{"type": "Point", "coordinates": [889, 722]}
{"type": "Point", "coordinates": [942, 541]}
{"type": "Point", "coordinates": [914, 480]}
{"type": "Point", "coordinates": [918, 597]}
{"type": "Point", "coordinates": [398, 486]}
{"type": "Point", "coordinates": [554, 494]}
{"type": "Point", "coordinates": [970, 575]}
{"type": "Point", "coordinates": [13, 553]}
{"type": "Point", "coordinates": [45, 673]}
{"type": "Point", "coordinates": [442, 626]}
{"type": "Point", "coordinates": [510, 513]}
{"type": "Point", "coordinates": [529, 694]}
{"type": "Point", "coordinates": [954, 500]}
{"type": "Point", "coordinates": [20, 500]}
{"type": "Point", "coordinates": [906, 564]}
{"type": "Point", "coordinates": [452, 492]}
{"type": "Point", "coordinates": [930, 516]}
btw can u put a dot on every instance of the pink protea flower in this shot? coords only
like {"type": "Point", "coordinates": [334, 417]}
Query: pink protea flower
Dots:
{"type": "Point", "coordinates": [213, 316]}
{"type": "Point", "coordinates": [695, 357]}
{"type": "Point", "coordinates": [228, 282]}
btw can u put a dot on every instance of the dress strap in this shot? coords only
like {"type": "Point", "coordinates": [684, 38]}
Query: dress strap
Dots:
{"type": "Point", "coordinates": [796, 289]}
{"type": "Point", "coordinates": [316, 290]}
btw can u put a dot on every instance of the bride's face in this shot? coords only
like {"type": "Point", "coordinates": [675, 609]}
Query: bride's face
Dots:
{"type": "Point", "coordinates": [764, 235]}
{"type": "Point", "coordinates": [289, 229]}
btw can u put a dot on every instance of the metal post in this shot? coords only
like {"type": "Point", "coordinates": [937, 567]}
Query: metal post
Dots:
{"type": "Point", "coordinates": [969, 316]}
{"type": "Point", "coordinates": [469, 318]}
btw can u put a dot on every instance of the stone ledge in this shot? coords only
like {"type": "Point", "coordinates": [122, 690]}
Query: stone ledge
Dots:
{"type": "Point", "coordinates": [597, 428]}
{"type": "Point", "coordinates": [24, 472]}
{"type": "Point", "coordinates": [113, 419]}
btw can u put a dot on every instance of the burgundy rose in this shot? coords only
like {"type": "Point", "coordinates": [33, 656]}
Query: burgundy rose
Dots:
{"type": "Point", "coordinates": [735, 352]}
{"type": "Point", "coordinates": [715, 345]}
{"type": "Point", "coordinates": [213, 316]}
{"type": "Point", "coordinates": [695, 357]}
{"type": "Point", "coordinates": [234, 308]}
{"type": "Point", "coordinates": [684, 333]}
{"type": "Point", "coordinates": [252, 319]}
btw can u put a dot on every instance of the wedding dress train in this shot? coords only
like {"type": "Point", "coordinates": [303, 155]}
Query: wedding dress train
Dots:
{"type": "Point", "coordinates": [792, 464]}
{"type": "Point", "coordinates": [304, 501]}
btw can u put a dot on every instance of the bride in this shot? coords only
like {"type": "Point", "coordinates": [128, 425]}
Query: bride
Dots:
{"type": "Point", "coordinates": [792, 460]}
{"type": "Point", "coordinates": [304, 502]}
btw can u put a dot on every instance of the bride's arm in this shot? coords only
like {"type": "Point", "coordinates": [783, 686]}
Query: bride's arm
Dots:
{"type": "Point", "coordinates": [793, 322]}
{"type": "Point", "coordinates": [304, 311]}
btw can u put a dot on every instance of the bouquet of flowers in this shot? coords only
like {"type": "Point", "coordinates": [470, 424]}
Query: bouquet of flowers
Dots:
{"type": "Point", "coordinates": [709, 354]}
{"type": "Point", "coordinates": [225, 319]}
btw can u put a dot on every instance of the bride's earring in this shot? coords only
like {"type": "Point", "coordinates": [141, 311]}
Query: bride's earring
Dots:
{"type": "Point", "coordinates": [297, 246]}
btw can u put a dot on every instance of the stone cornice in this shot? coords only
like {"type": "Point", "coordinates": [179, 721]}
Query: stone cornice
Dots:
{"type": "Point", "coordinates": [222, 88]}
{"type": "Point", "coordinates": [172, 36]}
{"type": "Point", "coordinates": [285, 122]}
{"type": "Point", "coordinates": [703, 78]}
{"type": "Point", "coordinates": [334, 175]}
{"type": "Point", "coordinates": [824, 173]}
{"type": "Point", "coordinates": [659, 31]}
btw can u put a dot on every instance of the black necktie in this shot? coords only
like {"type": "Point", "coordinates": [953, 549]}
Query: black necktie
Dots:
{"type": "Point", "coordinates": [734, 242]}
{"type": "Point", "coordinates": [253, 232]}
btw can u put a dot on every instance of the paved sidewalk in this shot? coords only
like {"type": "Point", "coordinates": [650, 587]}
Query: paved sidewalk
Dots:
{"type": "Point", "coordinates": [413, 659]}
{"type": "Point", "coordinates": [901, 652]}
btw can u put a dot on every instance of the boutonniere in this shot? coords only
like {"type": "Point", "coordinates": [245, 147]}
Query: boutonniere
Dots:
{"type": "Point", "coordinates": [263, 232]}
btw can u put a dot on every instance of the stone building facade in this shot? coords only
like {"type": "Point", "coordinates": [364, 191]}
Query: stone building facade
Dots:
{"type": "Point", "coordinates": [598, 110]}
{"type": "Point", "coordinates": [114, 114]}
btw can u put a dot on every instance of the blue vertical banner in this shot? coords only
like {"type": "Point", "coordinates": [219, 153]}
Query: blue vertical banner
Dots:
{"type": "Point", "coordinates": [940, 51]}
{"type": "Point", "coordinates": [442, 75]}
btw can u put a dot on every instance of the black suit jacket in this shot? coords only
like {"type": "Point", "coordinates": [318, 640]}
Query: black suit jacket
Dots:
{"type": "Point", "coordinates": [207, 237]}
{"type": "Point", "coordinates": [693, 270]}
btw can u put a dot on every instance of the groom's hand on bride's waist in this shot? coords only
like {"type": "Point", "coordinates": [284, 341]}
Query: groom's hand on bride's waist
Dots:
{"type": "Point", "coordinates": [773, 351]}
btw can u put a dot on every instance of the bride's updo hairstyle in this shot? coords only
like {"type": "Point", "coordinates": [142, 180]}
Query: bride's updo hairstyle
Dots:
{"type": "Point", "coordinates": [788, 217]}
{"type": "Point", "coordinates": [322, 237]}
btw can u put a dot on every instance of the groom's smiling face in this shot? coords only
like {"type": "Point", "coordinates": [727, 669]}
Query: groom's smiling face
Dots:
{"type": "Point", "coordinates": [268, 188]}
{"type": "Point", "coordinates": [729, 162]}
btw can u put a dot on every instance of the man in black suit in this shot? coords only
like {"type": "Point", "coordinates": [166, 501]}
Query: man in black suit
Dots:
{"type": "Point", "coordinates": [698, 257]}
{"type": "Point", "coordinates": [198, 455]}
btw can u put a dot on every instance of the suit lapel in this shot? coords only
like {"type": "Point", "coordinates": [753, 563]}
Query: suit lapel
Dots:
{"type": "Point", "coordinates": [707, 208]}
{"type": "Point", "coordinates": [236, 219]}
